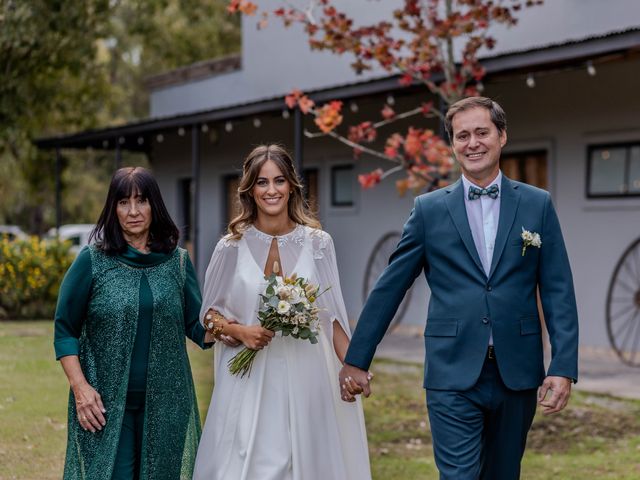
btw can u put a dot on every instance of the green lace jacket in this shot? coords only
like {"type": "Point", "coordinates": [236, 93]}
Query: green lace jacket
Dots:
{"type": "Point", "coordinates": [172, 423]}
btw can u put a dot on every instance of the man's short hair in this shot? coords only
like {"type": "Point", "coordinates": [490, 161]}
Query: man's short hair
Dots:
{"type": "Point", "coordinates": [498, 117]}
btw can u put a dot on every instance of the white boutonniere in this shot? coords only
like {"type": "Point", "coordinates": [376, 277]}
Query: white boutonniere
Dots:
{"type": "Point", "coordinates": [530, 239]}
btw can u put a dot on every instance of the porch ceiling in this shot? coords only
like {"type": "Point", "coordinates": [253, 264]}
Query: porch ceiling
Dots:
{"type": "Point", "coordinates": [136, 136]}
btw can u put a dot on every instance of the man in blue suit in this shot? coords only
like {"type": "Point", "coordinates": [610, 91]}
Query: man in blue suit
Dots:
{"type": "Point", "coordinates": [486, 245]}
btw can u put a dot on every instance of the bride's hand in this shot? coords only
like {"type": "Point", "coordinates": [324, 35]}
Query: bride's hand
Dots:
{"type": "Point", "coordinates": [228, 340]}
{"type": "Point", "coordinates": [253, 337]}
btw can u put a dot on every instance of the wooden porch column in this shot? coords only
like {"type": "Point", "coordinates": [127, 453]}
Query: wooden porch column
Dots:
{"type": "Point", "coordinates": [298, 138]}
{"type": "Point", "coordinates": [58, 189]}
{"type": "Point", "coordinates": [195, 190]}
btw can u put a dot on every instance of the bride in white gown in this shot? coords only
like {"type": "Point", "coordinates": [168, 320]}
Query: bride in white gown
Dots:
{"type": "Point", "coordinates": [286, 420]}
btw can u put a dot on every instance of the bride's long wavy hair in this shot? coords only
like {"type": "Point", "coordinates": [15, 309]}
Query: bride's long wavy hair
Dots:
{"type": "Point", "coordinates": [298, 208]}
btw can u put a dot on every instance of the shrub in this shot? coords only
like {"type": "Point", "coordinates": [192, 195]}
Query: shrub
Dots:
{"type": "Point", "coordinates": [30, 275]}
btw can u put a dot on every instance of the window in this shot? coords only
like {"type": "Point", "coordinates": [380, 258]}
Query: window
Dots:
{"type": "Point", "coordinates": [527, 167]}
{"type": "Point", "coordinates": [342, 186]}
{"type": "Point", "coordinates": [231, 201]}
{"type": "Point", "coordinates": [613, 170]}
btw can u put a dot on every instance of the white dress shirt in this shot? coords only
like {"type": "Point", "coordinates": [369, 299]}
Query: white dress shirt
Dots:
{"type": "Point", "coordinates": [483, 215]}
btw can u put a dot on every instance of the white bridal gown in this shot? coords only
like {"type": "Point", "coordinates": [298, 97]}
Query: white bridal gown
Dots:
{"type": "Point", "coordinates": [286, 420]}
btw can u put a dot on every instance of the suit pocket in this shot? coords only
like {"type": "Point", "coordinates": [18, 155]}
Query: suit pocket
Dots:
{"type": "Point", "coordinates": [530, 325]}
{"type": "Point", "coordinates": [441, 327]}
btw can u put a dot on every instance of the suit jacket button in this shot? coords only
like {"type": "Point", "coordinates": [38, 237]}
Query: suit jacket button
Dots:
{"type": "Point", "coordinates": [485, 320]}
{"type": "Point", "coordinates": [489, 288]}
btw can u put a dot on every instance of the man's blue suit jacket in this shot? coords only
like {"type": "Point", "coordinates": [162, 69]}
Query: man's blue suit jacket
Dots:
{"type": "Point", "coordinates": [466, 304]}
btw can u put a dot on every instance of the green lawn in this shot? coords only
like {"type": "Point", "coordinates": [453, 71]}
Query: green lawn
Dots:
{"type": "Point", "coordinates": [597, 437]}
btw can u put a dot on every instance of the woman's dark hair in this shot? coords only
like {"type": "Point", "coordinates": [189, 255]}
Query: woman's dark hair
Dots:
{"type": "Point", "coordinates": [163, 233]}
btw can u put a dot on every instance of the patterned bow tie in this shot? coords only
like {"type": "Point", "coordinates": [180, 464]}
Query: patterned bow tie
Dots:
{"type": "Point", "coordinates": [491, 192]}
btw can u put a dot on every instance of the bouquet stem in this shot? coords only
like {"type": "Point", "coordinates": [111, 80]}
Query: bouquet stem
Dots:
{"type": "Point", "coordinates": [242, 362]}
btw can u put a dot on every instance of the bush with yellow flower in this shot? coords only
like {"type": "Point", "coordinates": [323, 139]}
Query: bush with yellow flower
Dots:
{"type": "Point", "coordinates": [31, 271]}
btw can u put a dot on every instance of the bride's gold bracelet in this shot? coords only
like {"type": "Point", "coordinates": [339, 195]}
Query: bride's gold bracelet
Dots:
{"type": "Point", "coordinates": [213, 323]}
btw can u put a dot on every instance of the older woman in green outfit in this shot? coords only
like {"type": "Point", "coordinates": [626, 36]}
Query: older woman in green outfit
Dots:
{"type": "Point", "coordinates": [124, 308]}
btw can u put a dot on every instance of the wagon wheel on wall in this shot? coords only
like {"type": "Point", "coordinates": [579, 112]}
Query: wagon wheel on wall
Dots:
{"type": "Point", "coordinates": [623, 306]}
{"type": "Point", "coordinates": [377, 262]}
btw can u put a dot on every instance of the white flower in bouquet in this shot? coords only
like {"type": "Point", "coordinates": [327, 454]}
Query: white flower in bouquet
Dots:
{"type": "Point", "coordinates": [294, 294]}
{"type": "Point", "coordinates": [283, 293]}
{"type": "Point", "coordinates": [283, 307]}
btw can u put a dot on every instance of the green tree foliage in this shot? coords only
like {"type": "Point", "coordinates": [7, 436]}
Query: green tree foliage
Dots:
{"type": "Point", "coordinates": [67, 65]}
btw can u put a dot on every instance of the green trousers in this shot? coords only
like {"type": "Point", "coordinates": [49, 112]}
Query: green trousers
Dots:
{"type": "Point", "coordinates": [127, 466]}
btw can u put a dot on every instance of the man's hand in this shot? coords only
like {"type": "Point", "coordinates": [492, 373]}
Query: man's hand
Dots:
{"type": "Point", "coordinates": [558, 390]}
{"type": "Point", "coordinates": [354, 381]}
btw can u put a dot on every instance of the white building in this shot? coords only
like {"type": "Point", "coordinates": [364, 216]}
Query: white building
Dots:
{"type": "Point", "coordinates": [576, 133]}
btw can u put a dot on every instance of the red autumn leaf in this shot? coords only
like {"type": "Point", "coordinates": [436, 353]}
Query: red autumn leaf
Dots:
{"type": "Point", "coordinates": [305, 104]}
{"type": "Point", "coordinates": [393, 145]}
{"type": "Point", "coordinates": [406, 80]}
{"type": "Point", "coordinates": [233, 6]}
{"type": "Point", "coordinates": [363, 132]}
{"type": "Point", "coordinates": [426, 108]}
{"type": "Point", "coordinates": [388, 112]}
{"type": "Point", "coordinates": [247, 8]}
{"type": "Point", "coordinates": [370, 180]}
{"type": "Point", "coordinates": [402, 186]}
{"type": "Point", "coordinates": [328, 117]}
{"type": "Point", "coordinates": [412, 143]}
{"type": "Point", "coordinates": [330, 11]}
{"type": "Point", "coordinates": [292, 99]}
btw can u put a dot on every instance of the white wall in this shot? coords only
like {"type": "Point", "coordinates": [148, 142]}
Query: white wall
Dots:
{"type": "Point", "coordinates": [276, 60]}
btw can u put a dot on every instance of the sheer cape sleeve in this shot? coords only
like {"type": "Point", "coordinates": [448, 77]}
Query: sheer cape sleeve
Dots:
{"type": "Point", "coordinates": [221, 267]}
{"type": "Point", "coordinates": [330, 302]}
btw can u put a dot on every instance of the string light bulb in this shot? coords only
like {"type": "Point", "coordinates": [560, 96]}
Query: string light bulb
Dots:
{"type": "Point", "coordinates": [160, 138]}
{"type": "Point", "coordinates": [257, 123]}
{"type": "Point", "coordinates": [181, 132]}
{"type": "Point", "coordinates": [591, 69]}
{"type": "Point", "coordinates": [353, 106]}
{"type": "Point", "coordinates": [228, 127]}
{"type": "Point", "coordinates": [531, 81]}
{"type": "Point", "coordinates": [286, 114]}
{"type": "Point", "coordinates": [391, 101]}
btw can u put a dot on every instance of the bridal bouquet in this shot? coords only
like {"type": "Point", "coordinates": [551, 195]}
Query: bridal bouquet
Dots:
{"type": "Point", "coordinates": [287, 306]}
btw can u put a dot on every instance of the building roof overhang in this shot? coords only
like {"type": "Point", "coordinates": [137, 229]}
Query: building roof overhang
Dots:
{"type": "Point", "coordinates": [135, 136]}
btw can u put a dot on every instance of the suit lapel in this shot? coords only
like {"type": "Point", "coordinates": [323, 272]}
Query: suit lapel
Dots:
{"type": "Point", "coordinates": [455, 203]}
{"type": "Point", "coordinates": [509, 200]}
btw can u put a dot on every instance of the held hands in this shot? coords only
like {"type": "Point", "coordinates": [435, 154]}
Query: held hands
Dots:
{"type": "Point", "coordinates": [354, 381]}
{"type": "Point", "coordinates": [231, 333]}
{"type": "Point", "coordinates": [216, 332]}
{"type": "Point", "coordinates": [228, 340]}
{"type": "Point", "coordinates": [553, 394]}
{"type": "Point", "coordinates": [89, 407]}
